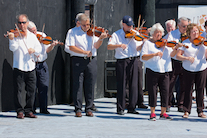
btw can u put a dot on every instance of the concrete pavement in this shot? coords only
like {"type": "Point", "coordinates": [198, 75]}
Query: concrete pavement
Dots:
{"type": "Point", "coordinates": [105, 123]}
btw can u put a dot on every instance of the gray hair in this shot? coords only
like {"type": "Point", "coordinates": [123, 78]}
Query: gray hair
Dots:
{"type": "Point", "coordinates": [83, 17]}
{"type": "Point", "coordinates": [17, 17]}
{"type": "Point", "coordinates": [182, 19]}
{"type": "Point", "coordinates": [120, 24]}
{"type": "Point", "coordinates": [158, 27]}
{"type": "Point", "coordinates": [77, 16]}
{"type": "Point", "coordinates": [172, 22]}
{"type": "Point", "coordinates": [31, 25]}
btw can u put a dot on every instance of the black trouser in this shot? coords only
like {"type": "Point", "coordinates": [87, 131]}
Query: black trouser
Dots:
{"type": "Point", "coordinates": [126, 70]}
{"type": "Point", "coordinates": [29, 79]}
{"type": "Point", "coordinates": [140, 82]}
{"type": "Point", "coordinates": [42, 84]}
{"type": "Point", "coordinates": [199, 78]}
{"type": "Point", "coordinates": [155, 79]}
{"type": "Point", "coordinates": [177, 71]}
{"type": "Point", "coordinates": [84, 76]}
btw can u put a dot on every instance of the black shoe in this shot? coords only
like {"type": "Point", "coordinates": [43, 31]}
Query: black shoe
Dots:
{"type": "Point", "coordinates": [180, 110]}
{"type": "Point", "coordinates": [133, 112]}
{"type": "Point", "coordinates": [142, 106]}
{"type": "Point", "coordinates": [94, 108]}
{"type": "Point", "coordinates": [168, 109]}
{"type": "Point", "coordinates": [120, 112]}
{"type": "Point", "coordinates": [44, 112]}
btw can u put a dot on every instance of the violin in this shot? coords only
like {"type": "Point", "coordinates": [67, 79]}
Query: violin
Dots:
{"type": "Point", "coordinates": [97, 31]}
{"type": "Point", "coordinates": [161, 43]}
{"type": "Point", "coordinates": [164, 42]}
{"type": "Point", "coordinates": [133, 34]}
{"type": "Point", "coordinates": [46, 40]}
{"type": "Point", "coordinates": [16, 33]}
{"type": "Point", "coordinates": [199, 40]}
{"type": "Point", "coordinates": [174, 43]}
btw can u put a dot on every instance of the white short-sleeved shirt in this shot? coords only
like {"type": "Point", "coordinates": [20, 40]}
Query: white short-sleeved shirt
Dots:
{"type": "Point", "coordinates": [173, 36]}
{"type": "Point", "coordinates": [22, 60]}
{"type": "Point", "coordinates": [156, 63]}
{"type": "Point", "coordinates": [43, 54]}
{"type": "Point", "coordinates": [118, 37]}
{"type": "Point", "coordinates": [198, 52]}
{"type": "Point", "coordinates": [80, 39]}
{"type": "Point", "coordinates": [67, 49]}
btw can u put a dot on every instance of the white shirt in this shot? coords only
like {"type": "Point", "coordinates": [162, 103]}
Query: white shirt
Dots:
{"type": "Point", "coordinates": [22, 60]}
{"type": "Point", "coordinates": [118, 37]}
{"type": "Point", "coordinates": [173, 36]}
{"type": "Point", "coordinates": [198, 52]}
{"type": "Point", "coordinates": [67, 49]}
{"type": "Point", "coordinates": [156, 63]}
{"type": "Point", "coordinates": [43, 54]}
{"type": "Point", "coordinates": [80, 39]}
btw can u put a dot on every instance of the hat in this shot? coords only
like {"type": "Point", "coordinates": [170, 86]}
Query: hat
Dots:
{"type": "Point", "coordinates": [127, 20]}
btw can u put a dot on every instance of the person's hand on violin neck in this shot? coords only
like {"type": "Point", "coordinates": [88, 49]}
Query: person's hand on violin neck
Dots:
{"type": "Point", "coordinates": [103, 35]}
{"type": "Point", "coordinates": [10, 35]}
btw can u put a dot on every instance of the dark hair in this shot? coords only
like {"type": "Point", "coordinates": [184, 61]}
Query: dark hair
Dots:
{"type": "Point", "coordinates": [205, 23]}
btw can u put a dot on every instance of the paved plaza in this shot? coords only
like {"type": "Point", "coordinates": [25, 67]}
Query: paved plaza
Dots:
{"type": "Point", "coordinates": [61, 123]}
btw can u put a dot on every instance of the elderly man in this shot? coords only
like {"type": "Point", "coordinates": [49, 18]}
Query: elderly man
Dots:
{"type": "Point", "coordinates": [84, 64]}
{"type": "Point", "coordinates": [177, 35]}
{"type": "Point", "coordinates": [126, 66]}
{"type": "Point", "coordinates": [24, 48]}
{"type": "Point", "coordinates": [42, 72]}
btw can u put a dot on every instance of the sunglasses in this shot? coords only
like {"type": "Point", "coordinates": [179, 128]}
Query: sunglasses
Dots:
{"type": "Point", "coordinates": [22, 22]}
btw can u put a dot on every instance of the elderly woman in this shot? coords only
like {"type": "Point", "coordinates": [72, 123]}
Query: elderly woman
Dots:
{"type": "Point", "coordinates": [158, 64]}
{"type": "Point", "coordinates": [194, 64]}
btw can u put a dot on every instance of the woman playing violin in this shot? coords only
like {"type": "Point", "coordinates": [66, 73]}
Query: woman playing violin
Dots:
{"type": "Point", "coordinates": [194, 64]}
{"type": "Point", "coordinates": [158, 64]}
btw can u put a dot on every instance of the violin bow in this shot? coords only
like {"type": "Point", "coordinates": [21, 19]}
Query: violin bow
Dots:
{"type": "Point", "coordinates": [93, 28]}
{"type": "Point", "coordinates": [23, 40]}
{"type": "Point", "coordinates": [139, 21]}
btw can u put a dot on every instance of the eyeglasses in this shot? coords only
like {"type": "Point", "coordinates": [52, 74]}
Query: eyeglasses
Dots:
{"type": "Point", "coordinates": [22, 22]}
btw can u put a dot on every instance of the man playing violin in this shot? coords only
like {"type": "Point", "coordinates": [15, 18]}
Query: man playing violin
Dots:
{"type": "Point", "coordinates": [24, 49]}
{"type": "Point", "coordinates": [126, 66]}
{"type": "Point", "coordinates": [67, 50]}
{"type": "Point", "coordinates": [176, 35]}
{"type": "Point", "coordinates": [84, 64]}
{"type": "Point", "coordinates": [42, 73]}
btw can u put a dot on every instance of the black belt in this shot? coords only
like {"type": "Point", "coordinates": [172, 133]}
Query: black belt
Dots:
{"type": "Point", "coordinates": [40, 62]}
{"type": "Point", "coordinates": [84, 57]}
{"type": "Point", "coordinates": [130, 58]}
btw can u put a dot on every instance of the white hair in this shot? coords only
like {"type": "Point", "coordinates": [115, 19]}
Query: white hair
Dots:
{"type": "Point", "coordinates": [120, 23]}
{"type": "Point", "coordinates": [172, 22]}
{"type": "Point", "coordinates": [31, 25]}
{"type": "Point", "coordinates": [182, 19]}
{"type": "Point", "coordinates": [158, 27]}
